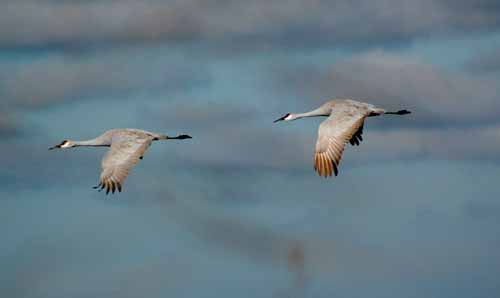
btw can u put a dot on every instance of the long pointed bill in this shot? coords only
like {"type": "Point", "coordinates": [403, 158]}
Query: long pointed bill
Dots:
{"type": "Point", "coordinates": [59, 145]}
{"type": "Point", "coordinates": [281, 119]}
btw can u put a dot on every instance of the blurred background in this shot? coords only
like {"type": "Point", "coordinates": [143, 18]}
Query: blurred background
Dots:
{"type": "Point", "coordinates": [238, 210]}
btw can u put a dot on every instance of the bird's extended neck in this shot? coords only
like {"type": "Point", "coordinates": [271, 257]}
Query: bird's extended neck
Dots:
{"type": "Point", "coordinates": [100, 141]}
{"type": "Point", "coordinates": [319, 112]}
{"type": "Point", "coordinates": [89, 143]}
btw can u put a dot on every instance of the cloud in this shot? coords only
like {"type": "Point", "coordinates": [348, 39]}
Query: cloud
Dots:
{"type": "Point", "coordinates": [61, 78]}
{"type": "Point", "coordinates": [436, 96]}
{"type": "Point", "coordinates": [299, 23]}
{"type": "Point", "coordinates": [78, 23]}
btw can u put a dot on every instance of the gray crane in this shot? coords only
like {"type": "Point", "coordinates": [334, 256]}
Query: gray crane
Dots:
{"type": "Point", "coordinates": [344, 124]}
{"type": "Point", "coordinates": [127, 147]}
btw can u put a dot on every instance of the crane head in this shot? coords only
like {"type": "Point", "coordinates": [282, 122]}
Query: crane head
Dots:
{"type": "Point", "coordinates": [286, 117]}
{"type": "Point", "coordinates": [64, 144]}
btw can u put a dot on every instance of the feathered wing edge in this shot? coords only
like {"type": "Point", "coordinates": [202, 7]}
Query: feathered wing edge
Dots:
{"type": "Point", "coordinates": [114, 171]}
{"type": "Point", "coordinates": [326, 162]}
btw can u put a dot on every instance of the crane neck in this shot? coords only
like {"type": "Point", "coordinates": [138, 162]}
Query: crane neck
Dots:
{"type": "Point", "coordinates": [97, 142]}
{"type": "Point", "coordinates": [319, 112]}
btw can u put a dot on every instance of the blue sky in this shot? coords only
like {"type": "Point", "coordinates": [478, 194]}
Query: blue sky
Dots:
{"type": "Point", "coordinates": [413, 213]}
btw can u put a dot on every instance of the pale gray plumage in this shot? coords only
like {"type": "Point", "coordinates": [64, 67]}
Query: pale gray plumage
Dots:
{"type": "Point", "coordinates": [344, 124]}
{"type": "Point", "coordinates": [127, 147]}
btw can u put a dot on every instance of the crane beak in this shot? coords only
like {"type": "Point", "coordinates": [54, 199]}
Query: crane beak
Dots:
{"type": "Point", "coordinates": [59, 145]}
{"type": "Point", "coordinates": [281, 119]}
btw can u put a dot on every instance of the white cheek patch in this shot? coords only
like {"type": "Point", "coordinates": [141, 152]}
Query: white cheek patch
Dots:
{"type": "Point", "coordinates": [288, 117]}
{"type": "Point", "coordinates": [65, 145]}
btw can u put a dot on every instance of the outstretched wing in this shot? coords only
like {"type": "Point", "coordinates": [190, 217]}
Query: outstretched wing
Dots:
{"type": "Point", "coordinates": [345, 124]}
{"type": "Point", "coordinates": [121, 157]}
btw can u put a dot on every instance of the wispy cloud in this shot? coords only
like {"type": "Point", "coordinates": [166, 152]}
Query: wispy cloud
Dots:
{"type": "Point", "coordinates": [412, 213]}
{"type": "Point", "coordinates": [299, 23]}
{"type": "Point", "coordinates": [61, 78]}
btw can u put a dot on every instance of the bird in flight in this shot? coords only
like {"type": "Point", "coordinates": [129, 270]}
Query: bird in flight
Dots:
{"type": "Point", "coordinates": [344, 124]}
{"type": "Point", "coordinates": [127, 147]}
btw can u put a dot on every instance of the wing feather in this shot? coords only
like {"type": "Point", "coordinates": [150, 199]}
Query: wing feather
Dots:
{"type": "Point", "coordinates": [121, 157]}
{"type": "Point", "coordinates": [345, 124]}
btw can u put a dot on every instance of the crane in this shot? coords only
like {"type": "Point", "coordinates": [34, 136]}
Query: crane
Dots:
{"type": "Point", "coordinates": [343, 125]}
{"type": "Point", "coordinates": [127, 147]}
